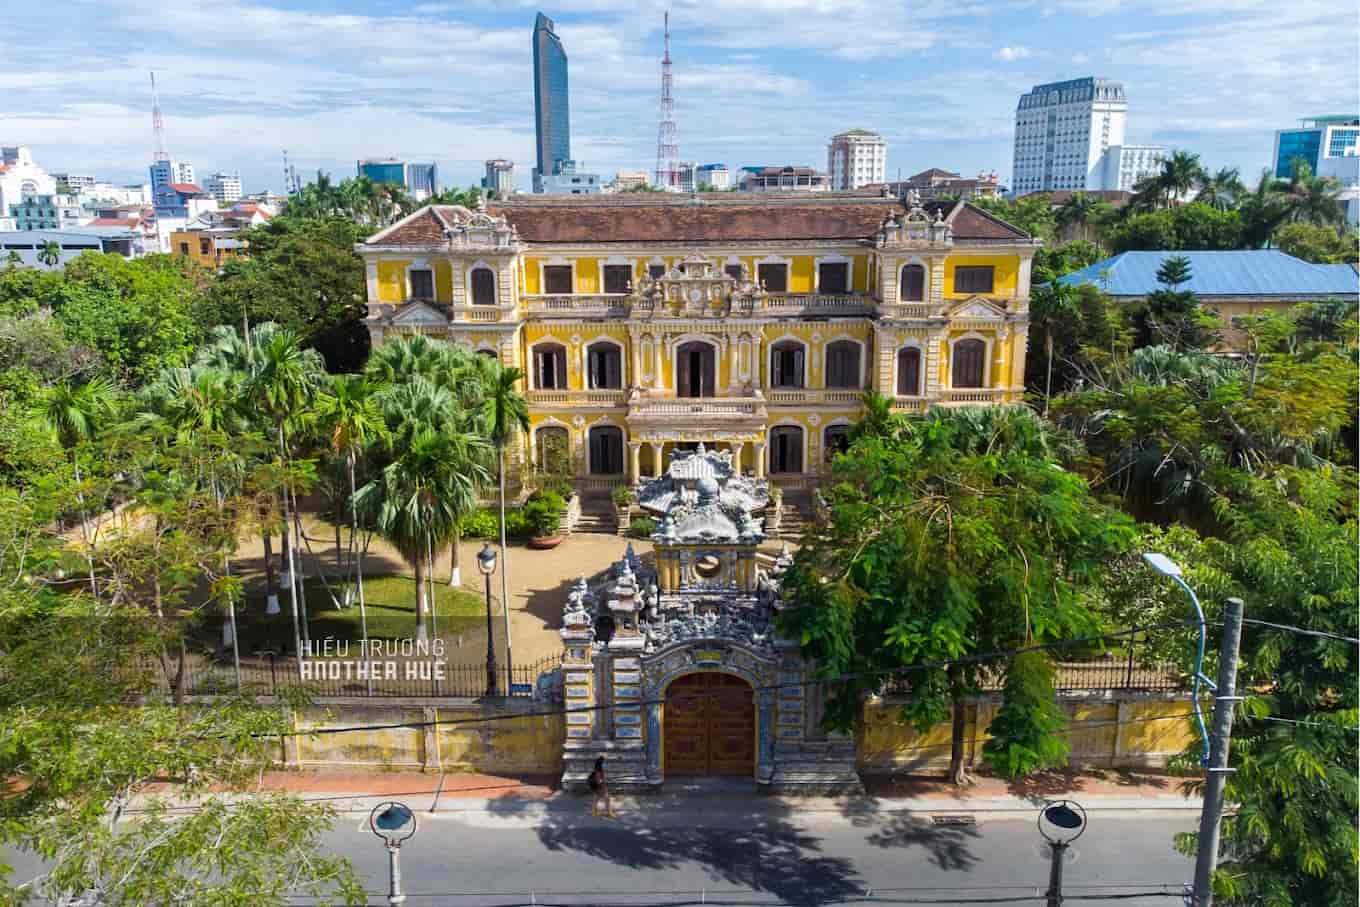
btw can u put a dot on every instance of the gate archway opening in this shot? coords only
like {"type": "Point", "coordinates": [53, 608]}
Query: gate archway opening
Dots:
{"type": "Point", "coordinates": [709, 726]}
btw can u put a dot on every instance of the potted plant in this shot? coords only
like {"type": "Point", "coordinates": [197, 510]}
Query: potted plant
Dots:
{"type": "Point", "coordinates": [543, 515]}
{"type": "Point", "coordinates": [623, 504]}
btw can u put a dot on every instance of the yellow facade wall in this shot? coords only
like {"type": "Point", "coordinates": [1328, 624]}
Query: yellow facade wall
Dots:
{"type": "Point", "coordinates": [392, 280]}
{"type": "Point", "coordinates": [532, 286]}
{"type": "Point", "coordinates": [443, 281]}
{"type": "Point", "coordinates": [588, 275]}
{"type": "Point", "coordinates": [1005, 274]}
{"type": "Point", "coordinates": [801, 271]}
{"type": "Point", "coordinates": [859, 274]}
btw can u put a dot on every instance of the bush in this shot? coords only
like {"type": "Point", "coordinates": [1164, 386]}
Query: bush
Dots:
{"type": "Point", "coordinates": [641, 527]}
{"type": "Point", "coordinates": [543, 513]}
{"type": "Point", "coordinates": [516, 525]}
{"type": "Point", "coordinates": [623, 496]}
{"type": "Point", "coordinates": [482, 524]}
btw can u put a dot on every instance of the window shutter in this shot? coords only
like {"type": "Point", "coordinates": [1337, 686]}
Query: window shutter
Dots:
{"type": "Point", "coordinates": [777, 379]}
{"type": "Point", "coordinates": [538, 370]}
{"type": "Point", "coordinates": [682, 375]}
{"type": "Point", "coordinates": [798, 367]}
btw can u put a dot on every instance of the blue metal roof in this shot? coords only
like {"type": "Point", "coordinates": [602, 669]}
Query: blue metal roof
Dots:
{"type": "Point", "coordinates": [1256, 272]}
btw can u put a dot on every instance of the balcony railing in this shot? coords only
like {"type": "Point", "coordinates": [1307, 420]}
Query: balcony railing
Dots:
{"type": "Point", "coordinates": [608, 304]}
{"type": "Point", "coordinates": [576, 397]}
{"type": "Point", "coordinates": [807, 303]}
{"type": "Point", "coordinates": [735, 408]}
{"type": "Point", "coordinates": [972, 395]}
{"type": "Point", "coordinates": [910, 404]}
{"type": "Point", "coordinates": [910, 310]}
{"type": "Point", "coordinates": [784, 395]}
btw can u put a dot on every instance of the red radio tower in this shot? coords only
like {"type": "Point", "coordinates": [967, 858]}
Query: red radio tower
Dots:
{"type": "Point", "coordinates": [157, 124]}
{"type": "Point", "coordinates": [667, 151]}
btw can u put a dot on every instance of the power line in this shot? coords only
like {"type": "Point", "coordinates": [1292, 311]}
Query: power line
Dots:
{"type": "Point", "coordinates": [1322, 634]}
{"type": "Point", "coordinates": [703, 898]}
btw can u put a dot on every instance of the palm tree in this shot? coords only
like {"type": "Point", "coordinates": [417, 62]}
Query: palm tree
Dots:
{"type": "Point", "coordinates": [1079, 209]}
{"type": "Point", "coordinates": [76, 414]}
{"type": "Point", "coordinates": [1311, 199]}
{"type": "Point", "coordinates": [505, 412]}
{"type": "Point", "coordinates": [1051, 303]}
{"type": "Point", "coordinates": [49, 253]}
{"type": "Point", "coordinates": [417, 500]}
{"type": "Point", "coordinates": [1180, 173]}
{"type": "Point", "coordinates": [1223, 190]}
{"type": "Point", "coordinates": [13, 260]}
{"type": "Point", "coordinates": [1262, 211]}
{"type": "Point", "coordinates": [349, 417]}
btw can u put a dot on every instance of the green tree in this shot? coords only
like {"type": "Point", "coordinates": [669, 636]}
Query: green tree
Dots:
{"type": "Point", "coordinates": [1309, 198]}
{"type": "Point", "coordinates": [77, 414]}
{"type": "Point", "coordinates": [1223, 189]}
{"type": "Point", "coordinates": [1026, 735]}
{"type": "Point", "coordinates": [1170, 315]}
{"type": "Point", "coordinates": [1031, 213]}
{"type": "Point", "coordinates": [417, 500]}
{"type": "Point", "coordinates": [1192, 226]}
{"type": "Point", "coordinates": [350, 417]}
{"type": "Point", "coordinates": [469, 198]}
{"type": "Point", "coordinates": [1322, 245]}
{"type": "Point", "coordinates": [13, 259]}
{"type": "Point", "coordinates": [49, 253]}
{"type": "Point", "coordinates": [948, 536]}
{"type": "Point", "coordinates": [1083, 212]}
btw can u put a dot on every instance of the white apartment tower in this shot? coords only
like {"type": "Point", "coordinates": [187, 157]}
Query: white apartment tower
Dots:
{"type": "Point", "coordinates": [1062, 133]}
{"type": "Point", "coordinates": [165, 171]}
{"type": "Point", "coordinates": [856, 158]}
{"type": "Point", "coordinates": [225, 187]}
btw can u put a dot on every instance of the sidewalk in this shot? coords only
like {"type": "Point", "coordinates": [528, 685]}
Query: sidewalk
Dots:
{"type": "Point", "coordinates": [528, 797]}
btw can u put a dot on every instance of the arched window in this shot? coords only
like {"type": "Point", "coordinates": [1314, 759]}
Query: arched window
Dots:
{"type": "Point", "coordinates": [909, 372]}
{"type": "Point", "coordinates": [483, 287]}
{"type": "Point", "coordinates": [490, 354]}
{"type": "Point", "coordinates": [786, 364]}
{"type": "Point", "coordinates": [604, 366]}
{"type": "Point", "coordinates": [842, 364]}
{"type": "Point", "coordinates": [606, 451]}
{"type": "Point", "coordinates": [550, 366]}
{"type": "Point", "coordinates": [835, 440]}
{"type": "Point", "coordinates": [554, 450]}
{"type": "Point", "coordinates": [970, 363]}
{"type": "Point", "coordinates": [786, 449]}
{"type": "Point", "coordinates": [913, 285]}
{"type": "Point", "coordinates": [695, 369]}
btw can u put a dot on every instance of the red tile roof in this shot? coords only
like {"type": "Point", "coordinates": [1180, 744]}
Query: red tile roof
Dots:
{"type": "Point", "coordinates": [186, 188]}
{"type": "Point", "coordinates": [678, 221]}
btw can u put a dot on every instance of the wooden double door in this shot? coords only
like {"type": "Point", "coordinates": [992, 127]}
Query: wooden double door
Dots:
{"type": "Point", "coordinates": [710, 726]}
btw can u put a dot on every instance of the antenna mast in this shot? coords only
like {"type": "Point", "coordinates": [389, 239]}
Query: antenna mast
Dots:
{"type": "Point", "coordinates": [667, 151]}
{"type": "Point", "coordinates": [158, 124]}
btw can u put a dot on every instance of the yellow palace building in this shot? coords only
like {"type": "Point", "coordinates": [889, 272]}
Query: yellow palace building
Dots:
{"type": "Point", "coordinates": [650, 322]}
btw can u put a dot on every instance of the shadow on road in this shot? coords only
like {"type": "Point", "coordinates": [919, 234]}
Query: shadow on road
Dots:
{"type": "Point", "coordinates": [947, 846]}
{"type": "Point", "coordinates": [759, 849]}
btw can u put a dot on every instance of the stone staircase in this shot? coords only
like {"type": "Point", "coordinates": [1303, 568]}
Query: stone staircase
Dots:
{"type": "Point", "coordinates": [811, 768]}
{"type": "Point", "coordinates": [792, 518]}
{"type": "Point", "coordinates": [597, 515]}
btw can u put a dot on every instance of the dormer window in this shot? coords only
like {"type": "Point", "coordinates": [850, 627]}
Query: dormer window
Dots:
{"type": "Point", "coordinates": [483, 286]}
{"type": "Point", "coordinates": [422, 283]}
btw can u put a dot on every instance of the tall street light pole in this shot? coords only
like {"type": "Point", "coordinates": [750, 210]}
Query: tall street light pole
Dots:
{"type": "Point", "coordinates": [1216, 745]}
{"type": "Point", "coordinates": [394, 823]}
{"type": "Point", "coordinates": [1061, 823]}
{"type": "Point", "coordinates": [486, 562]}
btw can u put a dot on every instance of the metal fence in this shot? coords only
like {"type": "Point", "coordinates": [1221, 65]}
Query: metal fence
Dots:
{"type": "Point", "coordinates": [378, 677]}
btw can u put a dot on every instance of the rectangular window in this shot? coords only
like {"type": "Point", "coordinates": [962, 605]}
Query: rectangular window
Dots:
{"type": "Point", "coordinates": [184, 248]}
{"type": "Point", "coordinates": [736, 272]}
{"type": "Point", "coordinates": [550, 368]}
{"type": "Point", "coordinates": [775, 278]}
{"type": "Point", "coordinates": [973, 279]}
{"type": "Point", "coordinates": [557, 279]}
{"type": "Point", "coordinates": [617, 278]}
{"type": "Point", "coordinates": [656, 271]}
{"type": "Point", "coordinates": [833, 277]}
{"type": "Point", "coordinates": [204, 245]}
{"type": "Point", "coordinates": [422, 283]}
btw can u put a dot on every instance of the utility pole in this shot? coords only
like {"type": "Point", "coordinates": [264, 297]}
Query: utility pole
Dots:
{"type": "Point", "coordinates": [1225, 700]}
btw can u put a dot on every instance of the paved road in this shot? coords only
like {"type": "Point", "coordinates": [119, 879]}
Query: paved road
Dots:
{"type": "Point", "coordinates": [504, 858]}
{"type": "Point", "coordinates": [512, 853]}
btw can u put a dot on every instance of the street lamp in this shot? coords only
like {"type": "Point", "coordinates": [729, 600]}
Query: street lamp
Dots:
{"type": "Point", "coordinates": [1060, 822]}
{"type": "Point", "coordinates": [394, 823]}
{"type": "Point", "coordinates": [1172, 571]}
{"type": "Point", "coordinates": [486, 562]}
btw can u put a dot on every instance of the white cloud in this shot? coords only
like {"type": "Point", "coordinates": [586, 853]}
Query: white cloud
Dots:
{"type": "Point", "coordinates": [1081, 59]}
{"type": "Point", "coordinates": [1009, 53]}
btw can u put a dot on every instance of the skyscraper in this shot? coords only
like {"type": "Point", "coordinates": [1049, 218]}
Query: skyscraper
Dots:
{"type": "Point", "coordinates": [552, 121]}
{"type": "Point", "coordinates": [1070, 135]}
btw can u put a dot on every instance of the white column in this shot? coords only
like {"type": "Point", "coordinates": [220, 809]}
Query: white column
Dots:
{"type": "Point", "coordinates": [732, 355]}
{"type": "Point", "coordinates": [634, 461]}
{"type": "Point", "coordinates": [634, 363]}
{"type": "Point", "coordinates": [657, 341]}
{"type": "Point", "coordinates": [371, 276]}
{"type": "Point", "coordinates": [760, 459]}
{"type": "Point", "coordinates": [658, 468]}
{"type": "Point", "coordinates": [736, 455]}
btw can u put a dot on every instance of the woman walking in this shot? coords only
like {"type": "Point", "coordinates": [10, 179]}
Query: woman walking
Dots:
{"type": "Point", "coordinates": [599, 786]}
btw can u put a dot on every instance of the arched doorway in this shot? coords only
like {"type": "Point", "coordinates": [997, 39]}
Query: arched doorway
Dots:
{"type": "Point", "coordinates": [695, 369]}
{"type": "Point", "coordinates": [710, 726]}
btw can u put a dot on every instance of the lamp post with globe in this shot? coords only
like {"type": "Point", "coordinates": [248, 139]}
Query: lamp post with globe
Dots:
{"type": "Point", "coordinates": [486, 562]}
{"type": "Point", "coordinates": [394, 823]}
{"type": "Point", "coordinates": [1060, 822]}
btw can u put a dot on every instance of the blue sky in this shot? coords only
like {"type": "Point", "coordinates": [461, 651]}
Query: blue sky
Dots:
{"type": "Point", "coordinates": [756, 81]}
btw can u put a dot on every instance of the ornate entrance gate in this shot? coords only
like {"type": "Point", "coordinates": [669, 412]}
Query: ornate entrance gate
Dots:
{"type": "Point", "coordinates": [710, 726]}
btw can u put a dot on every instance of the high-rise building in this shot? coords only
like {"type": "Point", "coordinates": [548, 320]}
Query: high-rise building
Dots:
{"type": "Point", "coordinates": [1068, 136]}
{"type": "Point", "coordinates": [1330, 146]}
{"type": "Point", "coordinates": [856, 158]}
{"type": "Point", "coordinates": [686, 176]}
{"type": "Point", "coordinates": [225, 187]}
{"type": "Point", "coordinates": [500, 177]}
{"type": "Point", "coordinates": [420, 180]}
{"type": "Point", "coordinates": [552, 118]}
{"type": "Point", "coordinates": [165, 171]}
{"type": "Point", "coordinates": [713, 176]}
{"type": "Point", "coordinates": [1125, 165]}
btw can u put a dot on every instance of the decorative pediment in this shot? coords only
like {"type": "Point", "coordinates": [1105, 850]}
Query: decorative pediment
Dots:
{"type": "Point", "coordinates": [694, 287]}
{"type": "Point", "coordinates": [977, 307]}
{"type": "Point", "coordinates": [420, 313]}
